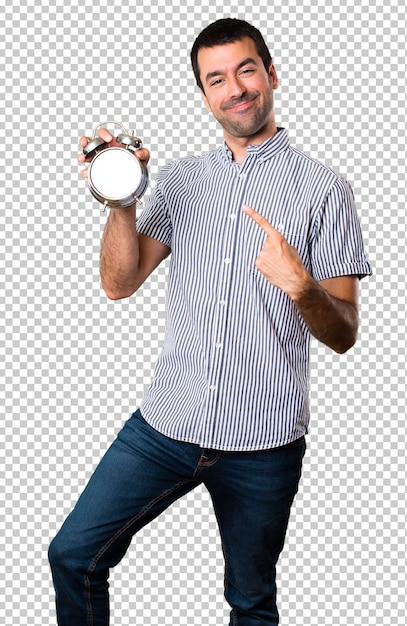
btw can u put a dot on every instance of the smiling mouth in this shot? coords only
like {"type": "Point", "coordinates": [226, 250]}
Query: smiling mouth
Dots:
{"type": "Point", "coordinates": [240, 105]}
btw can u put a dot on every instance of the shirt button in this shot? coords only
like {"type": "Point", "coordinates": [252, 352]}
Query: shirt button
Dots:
{"type": "Point", "coordinates": [227, 261]}
{"type": "Point", "coordinates": [232, 216]}
{"type": "Point", "coordinates": [242, 176]}
{"type": "Point", "coordinates": [218, 345]}
{"type": "Point", "coordinates": [212, 388]}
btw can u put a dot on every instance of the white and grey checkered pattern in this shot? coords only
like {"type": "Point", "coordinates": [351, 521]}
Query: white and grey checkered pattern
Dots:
{"type": "Point", "coordinates": [75, 365]}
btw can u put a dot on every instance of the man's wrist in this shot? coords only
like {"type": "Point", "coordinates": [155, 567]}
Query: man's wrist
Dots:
{"type": "Point", "coordinates": [124, 213]}
{"type": "Point", "coordinates": [303, 287]}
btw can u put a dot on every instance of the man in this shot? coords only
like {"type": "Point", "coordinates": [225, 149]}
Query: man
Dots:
{"type": "Point", "coordinates": [265, 251]}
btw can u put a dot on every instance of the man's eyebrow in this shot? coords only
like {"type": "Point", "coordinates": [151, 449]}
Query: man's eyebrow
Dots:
{"type": "Point", "coordinates": [219, 72]}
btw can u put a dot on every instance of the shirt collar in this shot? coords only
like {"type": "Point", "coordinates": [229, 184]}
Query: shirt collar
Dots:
{"type": "Point", "coordinates": [267, 150]}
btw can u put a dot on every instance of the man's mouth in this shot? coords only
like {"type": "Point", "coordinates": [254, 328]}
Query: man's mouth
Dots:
{"type": "Point", "coordinates": [240, 104]}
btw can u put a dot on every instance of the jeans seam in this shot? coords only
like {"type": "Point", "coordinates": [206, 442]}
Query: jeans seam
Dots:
{"type": "Point", "coordinates": [89, 610]}
{"type": "Point", "coordinates": [115, 537]}
{"type": "Point", "coordinates": [213, 461]}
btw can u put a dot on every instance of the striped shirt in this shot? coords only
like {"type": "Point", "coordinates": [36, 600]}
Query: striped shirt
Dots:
{"type": "Point", "coordinates": [233, 372]}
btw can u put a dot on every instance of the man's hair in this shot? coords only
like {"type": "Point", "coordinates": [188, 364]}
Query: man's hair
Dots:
{"type": "Point", "coordinates": [228, 30]}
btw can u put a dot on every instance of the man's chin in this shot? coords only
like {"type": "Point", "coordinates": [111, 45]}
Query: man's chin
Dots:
{"type": "Point", "coordinates": [241, 131]}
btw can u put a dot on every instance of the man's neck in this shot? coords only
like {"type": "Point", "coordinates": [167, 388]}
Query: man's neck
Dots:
{"type": "Point", "coordinates": [238, 145]}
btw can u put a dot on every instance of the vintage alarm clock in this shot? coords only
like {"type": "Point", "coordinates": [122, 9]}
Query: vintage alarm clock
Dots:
{"type": "Point", "coordinates": [116, 177]}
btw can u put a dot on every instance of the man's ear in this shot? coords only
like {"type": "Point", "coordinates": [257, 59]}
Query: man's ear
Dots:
{"type": "Point", "coordinates": [273, 76]}
{"type": "Point", "coordinates": [205, 101]}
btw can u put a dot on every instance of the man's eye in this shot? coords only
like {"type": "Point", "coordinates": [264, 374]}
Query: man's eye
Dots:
{"type": "Point", "coordinates": [216, 82]}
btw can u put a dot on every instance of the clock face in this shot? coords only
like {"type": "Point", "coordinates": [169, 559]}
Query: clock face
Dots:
{"type": "Point", "coordinates": [115, 174]}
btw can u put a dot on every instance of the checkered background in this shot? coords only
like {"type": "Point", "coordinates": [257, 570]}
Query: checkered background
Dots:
{"type": "Point", "coordinates": [74, 365]}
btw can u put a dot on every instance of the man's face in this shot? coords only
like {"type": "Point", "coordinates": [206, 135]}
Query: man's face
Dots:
{"type": "Point", "coordinates": [237, 88]}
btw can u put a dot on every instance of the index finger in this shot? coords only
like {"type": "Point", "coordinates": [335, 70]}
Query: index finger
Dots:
{"type": "Point", "coordinates": [260, 220]}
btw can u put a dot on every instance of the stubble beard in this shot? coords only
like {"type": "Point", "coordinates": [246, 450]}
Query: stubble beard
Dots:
{"type": "Point", "coordinates": [249, 123]}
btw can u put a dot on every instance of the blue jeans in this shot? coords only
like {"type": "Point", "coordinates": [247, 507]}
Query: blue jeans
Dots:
{"type": "Point", "coordinates": [141, 474]}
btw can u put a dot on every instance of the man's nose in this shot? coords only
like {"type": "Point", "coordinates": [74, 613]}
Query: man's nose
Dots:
{"type": "Point", "coordinates": [236, 88]}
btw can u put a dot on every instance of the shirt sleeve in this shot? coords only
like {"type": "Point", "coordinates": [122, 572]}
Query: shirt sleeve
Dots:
{"type": "Point", "coordinates": [155, 220]}
{"type": "Point", "coordinates": [337, 245]}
